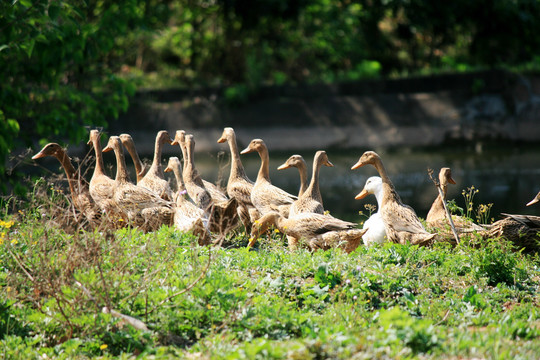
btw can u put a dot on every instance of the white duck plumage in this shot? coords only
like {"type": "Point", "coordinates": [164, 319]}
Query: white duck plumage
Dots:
{"type": "Point", "coordinates": [376, 233]}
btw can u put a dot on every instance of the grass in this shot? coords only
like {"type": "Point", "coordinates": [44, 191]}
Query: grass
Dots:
{"type": "Point", "coordinates": [78, 294]}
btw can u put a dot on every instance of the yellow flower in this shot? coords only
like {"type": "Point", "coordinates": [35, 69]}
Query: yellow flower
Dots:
{"type": "Point", "coordinates": [120, 219]}
{"type": "Point", "coordinates": [103, 347]}
{"type": "Point", "coordinates": [326, 212]}
{"type": "Point", "coordinates": [14, 242]}
{"type": "Point", "coordinates": [208, 306]}
{"type": "Point", "coordinates": [276, 231]}
{"type": "Point", "coordinates": [256, 222]}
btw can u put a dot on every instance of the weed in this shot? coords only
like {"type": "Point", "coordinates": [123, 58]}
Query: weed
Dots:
{"type": "Point", "coordinates": [70, 292]}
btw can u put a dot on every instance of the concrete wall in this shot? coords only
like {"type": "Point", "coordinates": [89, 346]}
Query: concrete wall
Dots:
{"type": "Point", "coordinates": [416, 112]}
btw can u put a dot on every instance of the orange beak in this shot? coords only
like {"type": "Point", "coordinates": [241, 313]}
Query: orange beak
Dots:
{"type": "Point", "coordinates": [361, 195]}
{"type": "Point", "coordinates": [221, 140]}
{"type": "Point", "coordinates": [283, 166]}
{"type": "Point", "coordinates": [107, 148]}
{"type": "Point", "coordinates": [357, 165]}
{"type": "Point", "coordinates": [451, 181]}
{"type": "Point", "coordinates": [38, 156]}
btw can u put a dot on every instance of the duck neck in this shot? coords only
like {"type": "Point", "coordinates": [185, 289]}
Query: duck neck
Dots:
{"type": "Point", "coordinates": [69, 169]}
{"type": "Point", "coordinates": [388, 190]}
{"type": "Point", "coordinates": [156, 162]}
{"type": "Point", "coordinates": [100, 168]}
{"type": "Point", "coordinates": [438, 203]}
{"type": "Point", "coordinates": [190, 173]}
{"type": "Point", "coordinates": [313, 188]}
{"type": "Point", "coordinates": [237, 169]}
{"type": "Point", "coordinates": [121, 169]}
{"type": "Point", "coordinates": [136, 160]}
{"type": "Point", "coordinates": [378, 196]}
{"type": "Point", "coordinates": [264, 172]}
{"type": "Point", "coordinates": [179, 179]}
{"type": "Point", "coordinates": [302, 170]}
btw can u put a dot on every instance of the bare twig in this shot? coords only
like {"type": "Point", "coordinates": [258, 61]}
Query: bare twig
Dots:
{"type": "Point", "coordinates": [136, 323]}
{"type": "Point", "coordinates": [444, 318]}
{"type": "Point", "coordinates": [17, 260]}
{"type": "Point", "coordinates": [448, 215]}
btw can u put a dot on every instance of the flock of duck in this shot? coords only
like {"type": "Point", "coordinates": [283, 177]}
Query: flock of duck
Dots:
{"type": "Point", "coordinates": [201, 207]}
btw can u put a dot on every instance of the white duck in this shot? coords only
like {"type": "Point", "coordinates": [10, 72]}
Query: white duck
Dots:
{"type": "Point", "coordinates": [376, 233]}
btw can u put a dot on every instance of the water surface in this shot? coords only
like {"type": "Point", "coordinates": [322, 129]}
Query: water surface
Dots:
{"type": "Point", "coordinates": [507, 177]}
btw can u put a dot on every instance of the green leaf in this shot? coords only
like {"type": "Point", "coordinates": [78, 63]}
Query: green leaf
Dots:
{"type": "Point", "coordinates": [26, 3]}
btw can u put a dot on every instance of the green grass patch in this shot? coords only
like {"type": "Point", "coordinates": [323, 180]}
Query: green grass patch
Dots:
{"type": "Point", "coordinates": [122, 294]}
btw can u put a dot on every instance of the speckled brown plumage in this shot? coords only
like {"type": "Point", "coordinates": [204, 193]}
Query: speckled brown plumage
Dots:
{"type": "Point", "coordinates": [139, 203]}
{"type": "Point", "coordinates": [317, 231]}
{"type": "Point", "coordinates": [522, 230]}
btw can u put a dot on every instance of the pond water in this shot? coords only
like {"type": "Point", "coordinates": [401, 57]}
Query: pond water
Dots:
{"type": "Point", "coordinates": [507, 177]}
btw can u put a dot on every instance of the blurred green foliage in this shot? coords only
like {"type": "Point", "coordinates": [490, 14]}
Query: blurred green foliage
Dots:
{"type": "Point", "coordinates": [69, 64]}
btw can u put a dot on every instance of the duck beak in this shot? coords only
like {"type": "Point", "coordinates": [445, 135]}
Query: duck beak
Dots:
{"type": "Point", "coordinates": [89, 142]}
{"type": "Point", "coordinates": [174, 142]}
{"type": "Point", "coordinates": [107, 149]}
{"type": "Point", "coordinates": [167, 169]}
{"type": "Point", "coordinates": [451, 181]}
{"type": "Point", "coordinates": [361, 195]}
{"type": "Point", "coordinates": [221, 140]}
{"type": "Point", "coordinates": [246, 150]}
{"type": "Point", "coordinates": [39, 155]}
{"type": "Point", "coordinates": [357, 165]}
{"type": "Point", "coordinates": [168, 139]}
{"type": "Point", "coordinates": [533, 201]}
{"type": "Point", "coordinates": [283, 166]}
{"type": "Point", "coordinates": [328, 163]}
{"type": "Point", "coordinates": [252, 241]}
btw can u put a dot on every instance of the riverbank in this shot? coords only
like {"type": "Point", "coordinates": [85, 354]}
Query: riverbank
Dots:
{"type": "Point", "coordinates": [415, 112]}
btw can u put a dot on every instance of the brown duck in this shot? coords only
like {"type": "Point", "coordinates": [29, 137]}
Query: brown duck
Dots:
{"type": "Point", "coordinates": [137, 202]}
{"type": "Point", "coordinates": [311, 200]}
{"type": "Point", "coordinates": [154, 180]}
{"type": "Point", "coordinates": [239, 186]}
{"type": "Point", "coordinates": [316, 231]}
{"type": "Point", "coordinates": [265, 196]}
{"type": "Point", "coordinates": [79, 188]}
{"type": "Point", "coordinates": [298, 162]}
{"type": "Point", "coordinates": [437, 218]}
{"type": "Point", "coordinates": [129, 144]}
